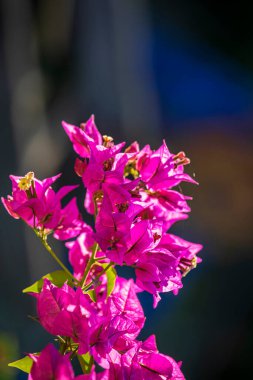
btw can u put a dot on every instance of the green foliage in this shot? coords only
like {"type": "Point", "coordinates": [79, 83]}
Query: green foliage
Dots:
{"type": "Point", "coordinates": [58, 278]}
{"type": "Point", "coordinates": [111, 278]}
{"type": "Point", "coordinates": [24, 364]}
{"type": "Point", "coordinates": [85, 362]}
{"type": "Point", "coordinates": [92, 294]}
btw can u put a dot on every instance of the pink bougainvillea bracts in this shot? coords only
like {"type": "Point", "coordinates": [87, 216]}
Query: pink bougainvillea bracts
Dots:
{"type": "Point", "coordinates": [94, 314]}
{"type": "Point", "coordinates": [50, 364]}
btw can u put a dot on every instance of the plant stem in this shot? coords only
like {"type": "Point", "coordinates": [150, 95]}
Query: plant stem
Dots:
{"type": "Point", "coordinates": [63, 346]}
{"type": "Point", "coordinates": [73, 353]}
{"type": "Point", "coordinates": [100, 258]}
{"type": "Point", "coordinates": [52, 253]}
{"type": "Point", "coordinates": [61, 339]}
{"type": "Point", "coordinates": [98, 276]}
{"type": "Point", "coordinates": [91, 261]}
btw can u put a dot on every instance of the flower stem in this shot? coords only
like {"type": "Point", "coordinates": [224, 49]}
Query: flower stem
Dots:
{"type": "Point", "coordinates": [91, 261]}
{"type": "Point", "coordinates": [97, 277]}
{"type": "Point", "coordinates": [60, 338]}
{"type": "Point", "coordinates": [43, 239]}
{"type": "Point", "coordinates": [63, 346]}
{"type": "Point", "coordinates": [100, 258]}
{"type": "Point", "coordinates": [73, 353]}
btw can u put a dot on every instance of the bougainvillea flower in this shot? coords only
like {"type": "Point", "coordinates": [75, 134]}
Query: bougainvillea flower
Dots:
{"type": "Point", "coordinates": [122, 198]}
{"type": "Point", "coordinates": [167, 206]}
{"type": "Point", "coordinates": [142, 362]}
{"type": "Point", "coordinates": [158, 169]}
{"type": "Point", "coordinates": [171, 200]}
{"type": "Point", "coordinates": [82, 136]}
{"type": "Point", "coordinates": [157, 273]}
{"type": "Point", "coordinates": [27, 197]}
{"type": "Point", "coordinates": [104, 375]}
{"type": "Point", "coordinates": [70, 223]}
{"type": "Point", "coordinates": [184, 251]}
{"type": "Point", "coordinates": [155, 365]}
{"type": "Point", "coordinates": [124, 304]}
{"type": "Point", "coordinates": [144, 235]}
{"type": "Point", "coordinates": [63, 311]}
{"type": "Point", "coordinates": [50, 364]}
{"type": "Point", "coordinates": [39, 206]}
{"type": "Point", "coordinates": [126, 319]}
{"type": "Point", "coordinates": [52, 305]}
{"type": "Point", "coordinates": [106, 165]}
{"type": "Point", "coordinates": [118, 196]}
{"type": "Point", "coordinates": [130, 193]}
{"type": "Point", "coordinates": [112, 230]}
{"type": "Point", "coordinates": [122, 240]}
{"type": "Point", "coordinates": [161, 269]}
{"type": "Point", "coordinates": [153, 211]}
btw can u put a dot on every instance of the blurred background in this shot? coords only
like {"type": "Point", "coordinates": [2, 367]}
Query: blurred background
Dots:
{"type": "Point", "coordinates": [148, 70]}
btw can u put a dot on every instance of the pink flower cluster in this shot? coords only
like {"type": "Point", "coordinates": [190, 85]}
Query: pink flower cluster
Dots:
{"type": "Point", "coordinates": [97, 316]}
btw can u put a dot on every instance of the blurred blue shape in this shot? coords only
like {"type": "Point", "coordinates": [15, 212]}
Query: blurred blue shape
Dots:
{"type": "Point", "coordinates": [196, 82]}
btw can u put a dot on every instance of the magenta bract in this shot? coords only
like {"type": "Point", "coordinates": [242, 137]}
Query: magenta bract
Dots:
{"type": "Point", "coordinates": [40, 206]}
{"type": "Point", "coordinates": [50, 364]}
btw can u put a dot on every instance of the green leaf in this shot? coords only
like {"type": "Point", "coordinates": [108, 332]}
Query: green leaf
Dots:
{"type": "Point", "coordinates": [24, 364]}
{"type": "Point", "coordinates": [111, 275]}
{"type": "Point", "coordinates": [92, 294]}
{"type": "Point", "coordinates": [84, 361]}
{"type": "Point", "coordinates": [57, 278]}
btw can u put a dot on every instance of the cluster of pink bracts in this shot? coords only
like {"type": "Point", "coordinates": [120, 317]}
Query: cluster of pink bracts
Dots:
{"type": "Point", "coordinates": [94, 313]}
